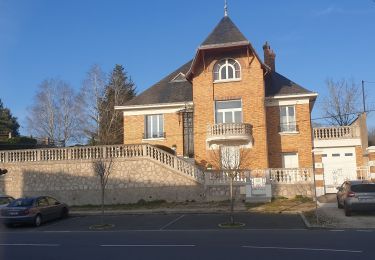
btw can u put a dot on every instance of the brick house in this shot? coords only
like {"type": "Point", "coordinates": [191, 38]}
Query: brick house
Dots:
{"type": "Point", "coordinates": [226, 96]}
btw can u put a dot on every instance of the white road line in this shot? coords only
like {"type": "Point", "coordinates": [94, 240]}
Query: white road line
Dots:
{"type": "Point", "coordinates": [147, 245]}
{"type": "Point", "coordinates": [305, 249]}
{"type": "Point", "coordinates": [29, 245]}
{"type": "Point", "coordinates": [173, 221]}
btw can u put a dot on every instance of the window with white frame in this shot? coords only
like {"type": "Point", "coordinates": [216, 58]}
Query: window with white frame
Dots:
{"type": "Point", "coordinates": [227, 69]}
{"type": "Point", "coordinates": [229, 111]}
{"type": "Point", "coordinates": [288, 119]}
{"type": "Point", "coordinates": [154, 126]}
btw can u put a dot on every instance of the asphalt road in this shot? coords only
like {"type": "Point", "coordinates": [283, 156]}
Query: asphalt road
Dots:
{"type": "Point", "coordinates": [184, 237]}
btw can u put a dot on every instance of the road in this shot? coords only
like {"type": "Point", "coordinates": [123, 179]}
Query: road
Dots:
{"type": "Point", "coordinates": [184, 237]}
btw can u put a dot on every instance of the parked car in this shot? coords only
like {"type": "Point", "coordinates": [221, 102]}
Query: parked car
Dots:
{"type": "Point", "coordinates": [356, 196]}
{"type": "Point", "coordinates": [5, 200]}
{"type": "Point", "coordinates": [33, 210]}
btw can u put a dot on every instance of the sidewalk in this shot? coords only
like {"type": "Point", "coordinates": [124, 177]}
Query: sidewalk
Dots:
{"type": "Point", "coordinates": [194, 208]}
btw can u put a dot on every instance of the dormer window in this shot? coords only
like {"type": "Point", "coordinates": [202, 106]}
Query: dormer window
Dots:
{"type": "Point", "coordinates": [227, 70]}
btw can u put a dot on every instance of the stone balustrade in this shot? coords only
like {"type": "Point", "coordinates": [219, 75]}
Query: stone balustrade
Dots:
{"type": "Point", "coordinates": [229, 131]}
{"type": "Point", "coordinates": [340, 132]}
{"type": "Point", "coordinates": [103, 152]}
{"type": "Point", "coordinates": [291, 175]}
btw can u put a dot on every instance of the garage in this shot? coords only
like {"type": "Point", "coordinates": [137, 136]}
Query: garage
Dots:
{"type": "Point", "coordinates": [339, 165]}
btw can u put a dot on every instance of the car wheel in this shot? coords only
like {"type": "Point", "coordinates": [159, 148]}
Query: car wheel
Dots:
{"type": "Point", "coordinates": [38, 220]}
{"type": "Point", "coordinates": [64, 213]}
{"type": "Point", "coordinates": [348, 212]}
{"type": "Point", "coordinates": [339, 205]}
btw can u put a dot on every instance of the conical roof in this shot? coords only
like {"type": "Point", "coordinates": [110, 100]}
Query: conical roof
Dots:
{"type": "Point", "coordinates": [225, 33]}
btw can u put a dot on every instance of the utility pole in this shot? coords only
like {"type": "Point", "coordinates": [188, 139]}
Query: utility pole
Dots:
{"type": "Point", "coordinates": [363, 96]}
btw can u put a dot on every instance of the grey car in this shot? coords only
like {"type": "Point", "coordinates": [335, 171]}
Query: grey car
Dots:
{"type": "Point", "coordinates": [33, 210]}
{"type": "Point", "coordinates": [358, 195]}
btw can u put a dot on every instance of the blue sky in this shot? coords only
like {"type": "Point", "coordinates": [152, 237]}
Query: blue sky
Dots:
{"type": "Point", "coordinates": [313, 40]}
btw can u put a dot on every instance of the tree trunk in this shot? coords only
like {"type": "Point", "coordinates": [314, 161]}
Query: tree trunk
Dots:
{"type": "Point", "coordinates": [102, 218]}
{"type": "Point", "coordinates": [231, 201]}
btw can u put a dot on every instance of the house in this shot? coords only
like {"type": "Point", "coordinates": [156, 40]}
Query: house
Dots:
{"type": "Point", "coordinates": [226, 97]}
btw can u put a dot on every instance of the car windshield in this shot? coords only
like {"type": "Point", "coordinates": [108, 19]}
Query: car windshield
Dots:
{"type": "Point", "coordinates": [363, 188]}
{"type": "Point", "coordinates": [25, 202]}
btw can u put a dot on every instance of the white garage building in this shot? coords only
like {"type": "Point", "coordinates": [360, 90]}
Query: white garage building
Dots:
{"type": "Point", "coordinates": [343, 151]}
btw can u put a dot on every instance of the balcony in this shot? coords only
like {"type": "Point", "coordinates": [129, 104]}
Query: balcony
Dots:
{"type": "Point", "coordinates": [230, 132]}
{"type": "Point", "coordinates": [334, 133]}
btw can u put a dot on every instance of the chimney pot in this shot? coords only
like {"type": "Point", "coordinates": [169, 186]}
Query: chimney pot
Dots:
{"type": "Point", "coordinates": [269, 56]}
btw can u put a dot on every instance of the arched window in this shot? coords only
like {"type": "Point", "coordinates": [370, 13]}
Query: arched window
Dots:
{"type": "Point", "coordinates": [227, 69]}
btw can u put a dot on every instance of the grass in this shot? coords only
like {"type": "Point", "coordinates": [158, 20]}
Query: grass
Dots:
{"type": "Point", "coordinates": [282, 204]}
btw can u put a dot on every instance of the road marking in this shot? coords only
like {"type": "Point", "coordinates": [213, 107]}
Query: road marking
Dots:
{"type": "Point", "coordinates": [173, 221]}
{"type": "Point", "coordinates": [147, 245]}
{"type": "Point", "coordinates": [305, 249]}
{"type": "Point", "coordinates": [29, 245]}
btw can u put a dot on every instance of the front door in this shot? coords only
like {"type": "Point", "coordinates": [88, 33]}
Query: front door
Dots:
{"type": "Point", "coordinates": [188, 119]}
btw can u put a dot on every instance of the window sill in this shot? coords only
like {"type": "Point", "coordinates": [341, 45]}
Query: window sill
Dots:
{"type": "Point", "coordinates": [289, 133]}
{"type": "Point", "coordinates": [154, 139]}
{"type": "Point", "coordinates": [227, 80]}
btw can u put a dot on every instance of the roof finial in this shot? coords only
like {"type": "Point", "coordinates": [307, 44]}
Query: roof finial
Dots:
{"type": "Point", "coordinates": [225, 8]}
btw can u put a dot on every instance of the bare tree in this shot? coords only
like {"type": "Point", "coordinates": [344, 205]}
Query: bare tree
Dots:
{"type": "Point", "coordinates": [55, 112]}
{"type": "Point", "coordinates": [91, 95]}
{"type": "Point", "coordinates": [231, 161]}
{"type": "Point", "coordinates": [341, 103]}
{"type": "Point", "coordinates": [102, 169]}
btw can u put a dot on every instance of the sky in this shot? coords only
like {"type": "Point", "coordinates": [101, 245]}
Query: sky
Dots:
{"type": "Point", "coordinates": [313, 41]}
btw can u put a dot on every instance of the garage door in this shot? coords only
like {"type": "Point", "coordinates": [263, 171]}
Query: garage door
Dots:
{"type": "Point", "coordinates": [339, 165]}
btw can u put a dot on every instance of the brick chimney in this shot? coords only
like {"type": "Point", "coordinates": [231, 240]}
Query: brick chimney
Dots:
{"type": "Point", "coordinates": [269, 56]}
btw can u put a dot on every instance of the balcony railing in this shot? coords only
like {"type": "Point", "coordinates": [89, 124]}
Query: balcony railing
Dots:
{"type": "Point", "coordinates": [340, 132]}
{"type": "Point", "coordinates": [230, 131]}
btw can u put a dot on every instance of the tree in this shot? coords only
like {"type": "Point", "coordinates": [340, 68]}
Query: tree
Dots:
{"type": "Point", "coordinates": [103, 169]}
{"type": "Point", "coordinates": [231, 161]}
{"type": "Point", "coordinates": [119, 90]}
{"type": "Point", "coordinates": [56, 112]}
{"type": "Point", "coordinates": [91, 96]}
{"type": "Point", "coordinates": [340, 106]}
{"type": "Point", "coordinates": [8, 123]}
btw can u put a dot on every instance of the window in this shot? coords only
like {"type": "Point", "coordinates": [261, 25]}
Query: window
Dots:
{"type": "Point", "coordinates": [287, 119]}
{"type": "Point", "coordinates": [228, 111]}
{"type": "Point", "coordinates": [154, 126]}
{"type": "Point", "coordinates": [335, 155]}
{"type": "Point", "coordinates": [348, 154]}
{"type": "Point", "coordinates": [42, 202]}
{"type": "Point", "coordinates": [290, 160]}
{"type": "Point", "coordinates": [227, 69]}
{"type": "Point", "coordinates": [324, 155]}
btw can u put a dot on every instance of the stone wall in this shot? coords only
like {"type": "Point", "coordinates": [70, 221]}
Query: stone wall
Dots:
{"type": "Point", "coordinates": [75, 183]}
{"type": "Point", "coordinates": [293, 190]}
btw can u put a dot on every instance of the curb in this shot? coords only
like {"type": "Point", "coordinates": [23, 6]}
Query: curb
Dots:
{"type": "Point", "coordinates": [150, 212]}
{"type": "Point", "coordinates": [308, 224]}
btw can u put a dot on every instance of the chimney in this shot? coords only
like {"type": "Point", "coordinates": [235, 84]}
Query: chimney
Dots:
{"type": "Point", "coordinates": [269, 56]}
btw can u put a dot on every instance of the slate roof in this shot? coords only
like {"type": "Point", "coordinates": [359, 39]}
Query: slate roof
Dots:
{"type": "Point", "coordinates": [278, 85]}
{"type": "Point", "coordinates": [225, 32]}
{"type": "Point", "coordinates": [166, 90]}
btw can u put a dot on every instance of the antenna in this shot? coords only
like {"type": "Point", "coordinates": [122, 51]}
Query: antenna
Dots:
{"type": "Point", "coordinates": [225, 8]}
